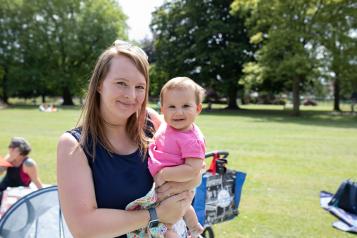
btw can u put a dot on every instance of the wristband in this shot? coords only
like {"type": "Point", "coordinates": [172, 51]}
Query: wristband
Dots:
{"type": "Point", "coordinates": [154, 220]}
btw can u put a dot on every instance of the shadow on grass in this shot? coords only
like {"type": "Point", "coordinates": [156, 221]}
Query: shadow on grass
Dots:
{"type": "Point", "coordinates": [35, 107]}
{"type": "Point", "coordinates": [312, 118]}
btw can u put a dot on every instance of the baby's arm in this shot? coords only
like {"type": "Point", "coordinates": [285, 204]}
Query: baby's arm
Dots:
{"type": "Point", "coordinates": [181, 173]}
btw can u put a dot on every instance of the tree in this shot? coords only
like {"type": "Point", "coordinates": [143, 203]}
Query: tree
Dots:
{"type": "Point", "coordinates": [335, 26]}
{"type": "Point", "coordinates": [10, 19]}
{"type": "Point", "coordinates": [148, 46]}
{"type": "Point", "coordinates": [201, 39]}
{"type": "Point", "coordinates": [57, 43]}
{"type": "Point", "coordinates": [283, 28]}
{"type": "Point", "coordinates": [294, 34]}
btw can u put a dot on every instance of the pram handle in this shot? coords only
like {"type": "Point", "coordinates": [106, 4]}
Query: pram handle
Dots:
{"type": "Point", "coordinates": [217, 152]}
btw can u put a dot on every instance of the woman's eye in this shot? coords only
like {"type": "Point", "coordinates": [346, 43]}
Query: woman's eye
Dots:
{"type": "Point", "coordinates": [140, 87]}
{"type": "Point", "coordinates": [121, 83]}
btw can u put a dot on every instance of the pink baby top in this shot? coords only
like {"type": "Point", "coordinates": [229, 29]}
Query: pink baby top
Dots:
{"type": "Point", "coordinates": [171, 147]}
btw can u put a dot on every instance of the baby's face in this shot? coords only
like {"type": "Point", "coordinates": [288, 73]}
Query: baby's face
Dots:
{"type": "Point", "coordinates": [180, 108]}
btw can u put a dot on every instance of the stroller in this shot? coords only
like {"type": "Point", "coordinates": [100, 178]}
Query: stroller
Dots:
{"type": "Point", "coordinates": [217, 197]}
{"type": "Point", "coordinates": [37, 214]}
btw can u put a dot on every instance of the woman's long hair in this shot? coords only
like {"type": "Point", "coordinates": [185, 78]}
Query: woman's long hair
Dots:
{"type": "Point", "coordinates": [90, 120]}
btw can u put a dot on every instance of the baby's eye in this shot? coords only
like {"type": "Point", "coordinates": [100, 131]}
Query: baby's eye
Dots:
{"type": "Point", "coordinates": [171, 106]}
{"type": "Point", "coordinates": [186, 105]}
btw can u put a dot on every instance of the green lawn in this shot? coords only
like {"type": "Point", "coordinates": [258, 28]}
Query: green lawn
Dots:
{"type": "Point", "coordinates": [288, 161]}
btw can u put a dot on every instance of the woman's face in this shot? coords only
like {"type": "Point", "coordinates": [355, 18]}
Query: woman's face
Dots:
{"type": "Point", "coordinates": [14, 154]}
{"type": "Point", "coordinates": [122, 91]}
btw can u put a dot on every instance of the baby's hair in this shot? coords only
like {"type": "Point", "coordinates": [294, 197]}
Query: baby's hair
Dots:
{"type": "Point", "coordinates": [183, 83]}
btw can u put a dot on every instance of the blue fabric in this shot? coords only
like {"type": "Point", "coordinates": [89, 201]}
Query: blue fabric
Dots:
{"type": "Point", "coordinates": [240, 178]}
{"type": "Point", "coordinates": [118, 179]}
{"type": "Point", "coordinates": [199, 203]}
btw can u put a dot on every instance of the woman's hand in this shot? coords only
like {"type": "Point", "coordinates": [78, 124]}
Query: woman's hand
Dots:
{"type": "Point", "coordinates": [159, 180]}
{"type": "Point", "coordinates": [171, 188]}
{"type": "Point", "coordinates": [173, 208]}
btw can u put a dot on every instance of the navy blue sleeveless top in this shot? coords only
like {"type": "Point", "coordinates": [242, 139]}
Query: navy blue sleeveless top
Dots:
{"type": "Point", "coordinates": [118, 179]}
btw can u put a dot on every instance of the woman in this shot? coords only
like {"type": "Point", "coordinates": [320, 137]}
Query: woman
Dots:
{"type": "Point", "coordinates": [20, 169]}
{"type": "Point", "coordinates": [102, 164]}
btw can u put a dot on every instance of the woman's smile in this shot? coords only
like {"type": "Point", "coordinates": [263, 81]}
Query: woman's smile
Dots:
{"type": "Point", "coordinates": [126, 104]}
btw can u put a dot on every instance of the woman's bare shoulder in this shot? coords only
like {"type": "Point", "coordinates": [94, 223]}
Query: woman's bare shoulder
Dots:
{"type": "Point", "coordinates": [67, 138]}
{"type": "Point", "coordinates": [67, 144]}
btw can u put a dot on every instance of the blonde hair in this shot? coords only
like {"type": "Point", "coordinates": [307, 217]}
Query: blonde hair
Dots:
{"type": "Point", "coordinates": [90, 120]}
{"type": "Point", "coordinates": [183, 83]}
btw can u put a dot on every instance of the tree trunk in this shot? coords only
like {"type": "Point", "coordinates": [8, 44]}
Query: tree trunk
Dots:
{"type": "Point", "coordinates": [5, 97]}
{"type": "Point", "coordinates": [336, 94]}
{"type": "Point", "coordinates": [296, 96]}
{"type": "Point", "coordinates": [232, 97]}
{"type": "Point", "coordinates": [242, 99]}
{"type": "Point", "coordinates": [43, 98]}
{"type": "Point", "coordinates": [67, 97]}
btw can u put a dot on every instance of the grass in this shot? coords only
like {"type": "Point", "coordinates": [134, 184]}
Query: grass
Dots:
{"type": "Point", "coordinates": [288, 161]}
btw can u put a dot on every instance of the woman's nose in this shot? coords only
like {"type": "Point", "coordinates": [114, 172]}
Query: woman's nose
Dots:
{"type": "Point", "coordinates": [130, 93]}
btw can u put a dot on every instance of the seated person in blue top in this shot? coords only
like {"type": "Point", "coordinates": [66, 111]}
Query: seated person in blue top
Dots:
{"type": "Point", "coordinates": [20, 169]}
{"type": "Point", "coordinates": [102, 164]}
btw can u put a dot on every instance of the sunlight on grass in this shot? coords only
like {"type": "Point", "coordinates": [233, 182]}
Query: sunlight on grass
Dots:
{"type": "Point", "coordinates": [288, 160]}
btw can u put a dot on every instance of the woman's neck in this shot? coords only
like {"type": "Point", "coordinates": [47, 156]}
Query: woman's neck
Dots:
{"type": "Point", "coordinates": [120, 140]}
{"type": "Point", "coordinates": [17, 162]}
{"type": "Point", "coordinates": [114, 130]}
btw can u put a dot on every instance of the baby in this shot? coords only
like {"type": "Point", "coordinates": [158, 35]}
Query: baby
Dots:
{"type": "Point", "coordinates": [178, 150]}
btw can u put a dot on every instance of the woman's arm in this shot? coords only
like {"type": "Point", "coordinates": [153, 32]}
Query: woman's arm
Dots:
{"type": "Point", "coordinates": [30, 167]}
{"type": "Point", "coordinates": [170, 188]}
{"type": "Point", "coordinates": [5, 160]}
{"type": "Point", "coordinates": [77, 199]}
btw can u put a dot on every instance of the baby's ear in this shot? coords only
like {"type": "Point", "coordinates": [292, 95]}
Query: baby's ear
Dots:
{"type": "Point", "coordinates": [199, 108]}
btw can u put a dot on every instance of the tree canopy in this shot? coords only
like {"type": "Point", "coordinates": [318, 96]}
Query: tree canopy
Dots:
{"type": "Point", "coordinates": [299, 42]}
{"type": "Point", "coordinates": [50, 47]}
{"type": "Point", "coordinates": [202, 40]}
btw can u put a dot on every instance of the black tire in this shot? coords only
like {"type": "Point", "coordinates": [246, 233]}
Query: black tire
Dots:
{"type": "Point", "coordinates": [208, 232]}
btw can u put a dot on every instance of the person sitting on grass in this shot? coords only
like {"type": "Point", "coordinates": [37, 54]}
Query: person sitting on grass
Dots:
{"type": "Point", "coordinates": [20, 169]}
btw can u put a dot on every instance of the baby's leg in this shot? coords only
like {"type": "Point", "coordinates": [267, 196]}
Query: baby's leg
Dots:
{"type": "Point", "coordinates": [192, 222]}
{"type": "Point", "coordinates": [170, 233]}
